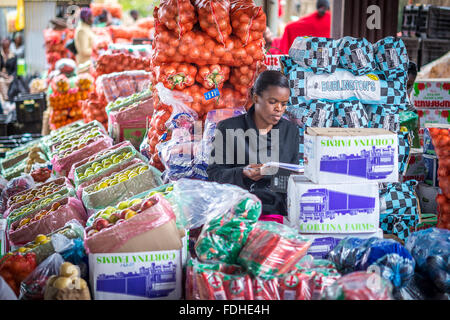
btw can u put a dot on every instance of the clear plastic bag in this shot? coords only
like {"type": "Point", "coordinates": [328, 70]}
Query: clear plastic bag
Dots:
{"type": "Point", "coordinates": [197, 202]}
{"type": "Point", "coordinates": [359, 286]}
{"type": "Point", "coordinates": [122, 84]}
{"type": "Point", "coordinates": [66, 66]}
{"type": "Point", "coordinates": [394, 261]}
{"type": "Point", "coordinates": [272, 249]}
{"type": "Point", "coordinates": [33, 286]}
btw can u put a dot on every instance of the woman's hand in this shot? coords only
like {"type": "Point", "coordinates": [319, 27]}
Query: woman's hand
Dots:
{"type": "Point", "coordinates": [253, 171]}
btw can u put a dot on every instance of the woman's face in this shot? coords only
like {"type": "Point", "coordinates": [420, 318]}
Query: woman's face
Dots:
{"type": "Point", "coordinates": [271, 104]}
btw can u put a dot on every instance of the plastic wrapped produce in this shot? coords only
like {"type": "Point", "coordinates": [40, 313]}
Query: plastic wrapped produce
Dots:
{"type": "Point", "coordinates": [247, 20]}
{"type": "Point", "coordinates": [342, 85]}
{"type": "Point", "coordinates": [176, 75]}
{"type": "Point", "coordinates": [118, 62]}
{"type": "Point", "coordinates": [129, 122]}
{"type": "Point", "coordinates": [318, 54]}
{"type": "Point", "coordinates": [272, 249]}
{"type": "Point", "coordinates": [399, 209]}
{"type": "Point", "coordinates": [127, 229]}
{"type": "Point", "coordinates": [356, 55]}
{"type": "Point", "coordinates": [213, 76]}
{"type": "Point", "coordinates": [122, 84]}
{"type": "Point", "coordinates": [359, 286]}
{"type": "Point", "coordinates": [430, 248]}
{"type": "Point", "coordinates": [126, 183]}
{"type": "Point", "coordinates": [177, 15]}
{"type": "Point", "coordinates": [16, 186]}
{"type": "Point", "coordinates": [297, 286]}
{"type": "Point", "coordinates": [32, 287]}
{"type": "Point", "coordinates": [47, 220]}
{"type": "Point", "coordinates": [394, 261]}
{"type": "Point", "coordinates": [392, 57]}
{"type": "Point", "coordinates": [44, 247]}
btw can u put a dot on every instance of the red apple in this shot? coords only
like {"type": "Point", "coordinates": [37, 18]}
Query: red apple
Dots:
{"type": "Point", "coordinates": [100, 223]}
{"type": "Point", "coordinates": [149, 203]}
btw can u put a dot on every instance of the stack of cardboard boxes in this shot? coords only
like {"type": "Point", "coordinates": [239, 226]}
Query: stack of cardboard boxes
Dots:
{"type": "Point", "coordinates": [338, 195]}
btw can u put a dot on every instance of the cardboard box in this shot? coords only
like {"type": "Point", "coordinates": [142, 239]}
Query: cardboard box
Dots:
{"type": "Point", "coordinates": [415, 168]}
{"type": "Point", "coordinates": [431, 98]}
{"type": "Point", "coordinates": [333, 208]}
{"type": "Point", "coordinates": [350, 155]}
{"type": "Point", "coordinates": [427, 197]}
{"type": "Point", "coordinates": [431, 168]}
{"type": "Point", "coordinates": [3, 242]}
{"type": "Point", "coordinates": [324, 243]}
{"type": "Point", "coordinates": [151, 275]}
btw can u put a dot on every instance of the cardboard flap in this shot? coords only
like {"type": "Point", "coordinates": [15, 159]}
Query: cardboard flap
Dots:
{"type": "Point", "coordinates": [342, 132]}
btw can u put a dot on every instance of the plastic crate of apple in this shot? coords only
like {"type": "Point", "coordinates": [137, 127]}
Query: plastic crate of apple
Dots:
{"type": "Point", "coordinates": [124, 210]}
{"type": "Point", "coordinates": [37, 193]}
{"type": "Point", "coordinates": [118, 62]}
{"type": "Point", "coordinates": [51, 217]}
{"type": "Point", "coordinates": [99, 166]}
{"type": "Point", "coordinates": [42, 245]}
{"type": "Point", "coordinates": [124, 184]}
{"type": "Point", "coordinates": [78, 142]}
{"type": "Point", "coordinates": [441, 142]}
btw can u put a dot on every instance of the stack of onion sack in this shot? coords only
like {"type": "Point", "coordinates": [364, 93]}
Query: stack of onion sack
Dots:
{"type": "Point", "coordinates": [118, 62]}
{"type": "Point", "coordinates": [93, 108]}
{"type": "Point", "coordinates": [441, 142]}
{"type": "Point", "coordinates": [55, 45]}
{"type": "Point", "coordinates": [346, 83]}
{"type": "Point", "coordinates": [431, 250]}
{"type": "Point", "coordinates": [385, 256]}
{"type": "Point", "coordinates": [100, 42]}
{"type": "Point", "coordinates": [64, 100]}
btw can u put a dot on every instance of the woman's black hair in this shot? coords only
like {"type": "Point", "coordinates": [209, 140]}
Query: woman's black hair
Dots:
{"type": "Point", "coordinates": [269, 78]}
{"type": "Point", "coordinates": [412, 68]}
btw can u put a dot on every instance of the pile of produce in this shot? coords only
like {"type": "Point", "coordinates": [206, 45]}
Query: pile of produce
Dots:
{"type": "Point", "coordinates": [55, 42]}
{"type": "Point", "coordinates": [64, 100]}
{"type": "Point", "coordinates": [200, 46]}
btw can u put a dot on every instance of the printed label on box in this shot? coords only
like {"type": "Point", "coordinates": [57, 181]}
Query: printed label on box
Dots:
{"type": "Point", "coordinates": [330, 208]}
{"type": "Point", "coordinates": [136, 276]}
{"type": "Point", "coordinates": [351, 159]}
{"type": "Point", "coordinates": [431, 93]}
{"type": "Point", "coordinates": [273, 62]}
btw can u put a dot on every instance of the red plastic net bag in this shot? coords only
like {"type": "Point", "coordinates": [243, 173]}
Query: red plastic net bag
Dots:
{"type": "Point", "coordinates": [177, 15]}
{"type": "Point", "coordinates": [214, 18]}
{"type": "Point", "coordinates": [247, 20]}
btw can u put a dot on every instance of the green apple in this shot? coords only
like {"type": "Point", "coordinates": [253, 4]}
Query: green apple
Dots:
{"type": "Point", "coordinates": [123, 205]}
{"type": "Point", "coordinates": [135, 201]}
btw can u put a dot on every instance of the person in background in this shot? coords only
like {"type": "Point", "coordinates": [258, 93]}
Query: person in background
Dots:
{"type": "Point", "coordinates": [316, 24]}
{"type": "Point", "coordinates": [7, 69]}
{"type": "Point", "coordinates": [17, 46]}
{"type": "Point", "coordinates": [272, 44]}
{"type": "Point", "coordinates": [84, 37]}
{"type": "Point", "coordinates": [104, 19]}
{"type": "Point", "coordinates": [134, 15]}
{"type": "Point", "coordinates": [412, 74]}
{"type": "Point", "coordinates": [237, 158]}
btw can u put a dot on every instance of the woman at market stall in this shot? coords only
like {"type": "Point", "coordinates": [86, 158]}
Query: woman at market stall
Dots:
{"type": "Point", "coordinates": [243, 143]}
{"type": "Point", "coordinates": [84, 37]}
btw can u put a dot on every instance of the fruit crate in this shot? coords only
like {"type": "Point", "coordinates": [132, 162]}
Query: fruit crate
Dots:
{"type": "Point", "coordinates": [30, 107]}
{"type": "Point", "coordinates": [438, 23]}
{"type": "Point", "coordinates": [433, 49]}
{"type": "Point", "coordinates": [412, 47]}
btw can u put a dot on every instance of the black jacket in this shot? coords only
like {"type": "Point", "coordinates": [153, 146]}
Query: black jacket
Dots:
{"type": "Point", "coordinates": [229, 170]}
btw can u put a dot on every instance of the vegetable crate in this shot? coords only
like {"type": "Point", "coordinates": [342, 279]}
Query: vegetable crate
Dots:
{"type": "Point", "coordinates": [30, 107]}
